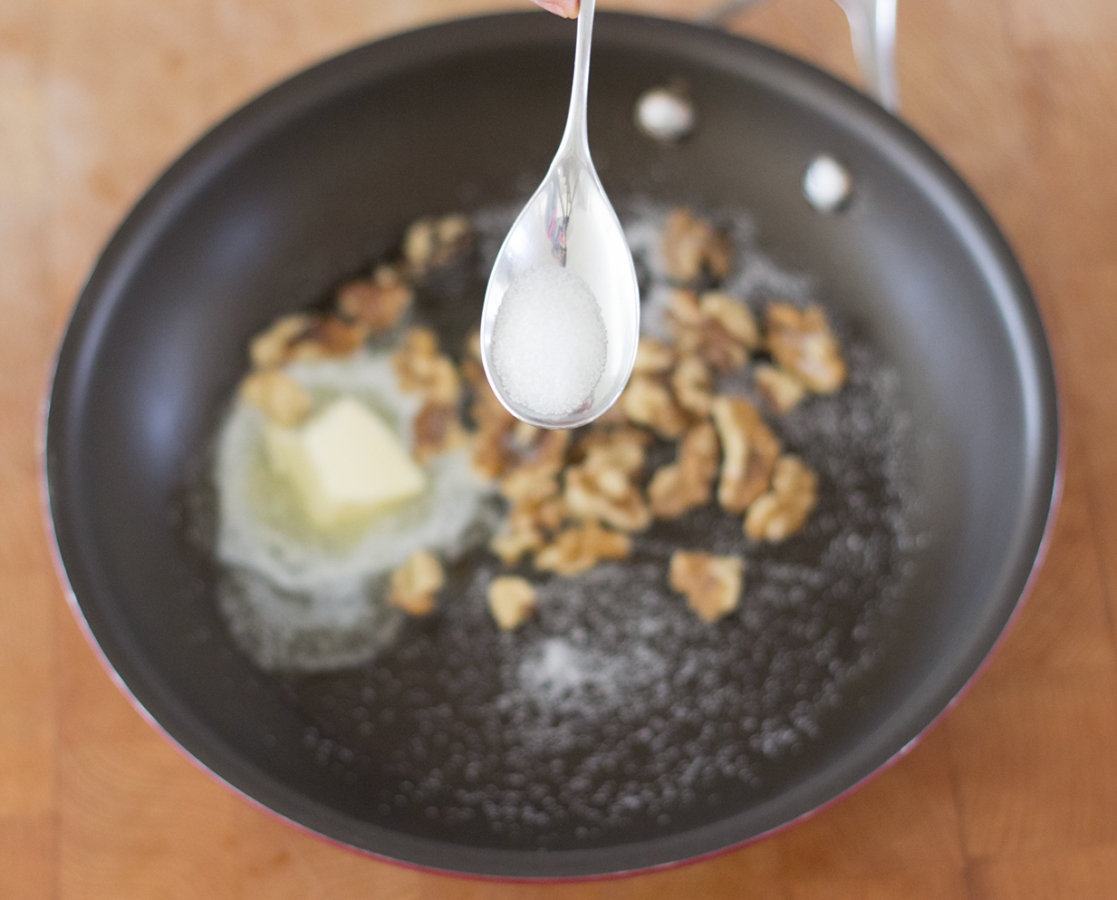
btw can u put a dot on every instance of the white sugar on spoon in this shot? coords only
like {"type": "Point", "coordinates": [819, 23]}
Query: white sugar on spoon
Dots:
{"type": "Point", "coordinates": [549, 344]}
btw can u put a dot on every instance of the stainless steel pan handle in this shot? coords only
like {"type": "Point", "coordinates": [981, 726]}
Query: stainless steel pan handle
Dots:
{"type": "Point", "coordinates": [872, 29]}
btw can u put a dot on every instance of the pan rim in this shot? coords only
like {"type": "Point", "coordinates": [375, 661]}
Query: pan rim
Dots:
{"type": "Point", "coordinates": [251, 123]}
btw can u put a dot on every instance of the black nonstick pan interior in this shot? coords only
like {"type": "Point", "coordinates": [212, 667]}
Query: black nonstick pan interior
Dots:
{"type": "Point", "coordinates": [313, 180]}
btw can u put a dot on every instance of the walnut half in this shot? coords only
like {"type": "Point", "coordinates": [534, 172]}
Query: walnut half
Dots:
{"type": "Point", "coordinates": [715, 326]}
{"type": "Point", "coordinates": [647, 402]}
{"type": "Point", "coordinates": [414, 584]}
{"type": "Point", "coordinates": [692, 246]}
{"type": "Point", "coordinates": [378, 302]}
{"type": "Point", "coordinates": [780, 389]}
{"type": "Point", "coordinates": [687, 483]}
{"type": "Point", "coordinates": [581, 547]}
{"type": "Point", "coordinates": [437, 430]}
{"type": "Point", "coordinates": [782, 511]}
{"type": "Point", "coordinates": [282, 399]}
{"type": "Point", "coordinates": [803, 344]}
{"type": "Point", "coordinates": [712, 584]}
{"type": "Point", "coordinates": [749, 450]}
{"type": "Point", "coordinates": [421, 369]}
{"type": "Point", "coordinates": [304, 338]}
{"type": "Point", "coordinates": [511, 601]}
{"type": "Point", "coordinates": [605, 494]}
{"type": "Point", "coordinates": [433, 243]}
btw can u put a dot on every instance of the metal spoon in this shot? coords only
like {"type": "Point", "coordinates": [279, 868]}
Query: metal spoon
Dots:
{"type": "Point", "coordinates": [570, 223]}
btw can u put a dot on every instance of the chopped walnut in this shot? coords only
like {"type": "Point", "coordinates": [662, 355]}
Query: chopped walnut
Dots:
{"type": "Point", "coordinates": [501, 446]}
{"type": "Point", "coordinates": [491, 456]}
{"type": "Point", "coordinates": [618, 448]}
{"type": "Point", "coordinates": [781, 390]}
{"type": "Point", "coordinates": [537, 507]}
{"type": "Point", "coordinates": [524, 435]}
{"type": "Point", "coordinates": [653, 357]}
{"type": "Point", "coordinates": [783, 510]}
{"type": "Point", "coordinates": [529, 483]}
{"type": "Point", "coordinates": [473, 370]}
{"type": "Point", "coordinates": [543, 452]}
{"type": "Point", "coordinates": [304, 338]}
{"type": "Point", "coordinates": [687, 483]}
{"type": "Point", "coordinates": [271, 348]}
{"type": "Point", "coordinates": [581, 547]}
{"type": "Point", "coordinates": [715, 326]}
{"type": "Point", "coordinates": [434, 243]}
{"type": "Point", "coordinates": [692, 246]}
{"type": "Point", "coordinates": [515, 540]}
{"type": "Point", "coordinates": [749, 452]}
{"type": "Point", "coordinates": [282, 399]}
{"type": "Point", "coordinates": [511, 601]}
{"type": "Point", "coordinates": [414, 584]}
{"type": "Point", "coordinates": [734, 317]}
{"type": "Point", "coordinates": [684, 315]}
{"type": "Point", "coordinates": [327, 336]}
{"type": "Point", "coordinates": [487, 411]}
{"type": "Point", "coordinates": [647, 402]}
{"type": "Point", "coordinates": [605, 494]}
{"type": "Point", "coordinates": [712, 584]}
{"type": "Point", "coordinates": [378, 302]}
{"type": "Point", "coordinates": [803, 344]}
{"type": "Point", "coordinates": [421, 369]}
{"type": "Point", "coordinates": [437, 430]}
{"type": "Point", "coordinates": [692, 384]}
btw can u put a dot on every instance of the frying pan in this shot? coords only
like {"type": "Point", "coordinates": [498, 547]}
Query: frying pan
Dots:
{"type": "Point", "coordinates": [308, 183]}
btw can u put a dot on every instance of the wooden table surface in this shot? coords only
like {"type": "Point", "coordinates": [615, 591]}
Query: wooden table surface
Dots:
{"type": "Point", "coordinates": [1012, 795]}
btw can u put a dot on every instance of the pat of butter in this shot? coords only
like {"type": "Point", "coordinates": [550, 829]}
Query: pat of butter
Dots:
{"type": "Point", "coordinates": [344, 463]}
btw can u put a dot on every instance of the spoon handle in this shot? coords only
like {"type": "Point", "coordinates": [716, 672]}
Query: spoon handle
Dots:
{"type": "Point", "coordinates": [575, 137]}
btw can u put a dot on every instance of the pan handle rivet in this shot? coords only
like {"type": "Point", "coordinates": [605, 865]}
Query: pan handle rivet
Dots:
{"type": "Point", "coordinates": [665, 113]}
{"type": "Point", "coordinates": [827, 184]}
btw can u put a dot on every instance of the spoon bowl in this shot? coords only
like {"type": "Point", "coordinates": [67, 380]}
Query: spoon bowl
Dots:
{"type": "Point", "coordinates": [568, 224]}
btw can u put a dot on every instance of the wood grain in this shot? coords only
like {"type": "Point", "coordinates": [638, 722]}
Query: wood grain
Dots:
{"type": "Point", "coordinates": [1014, 795]}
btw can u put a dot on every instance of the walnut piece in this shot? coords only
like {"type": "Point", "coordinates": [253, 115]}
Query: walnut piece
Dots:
{"type": "Point", "coordinates": [270, 348]}
{"type": "Point", "coordinates": [803, 344]}
{"type": "Point", "coordinates": [433, 243]}
{"type": "Point", "coordinates": [581, 547]}
{"type": "Point", "coordinates": [715, 326]}
{"type": "Point", "coordinates": [472, 369]}
{"type": "Point", "coordinates": [687, 483]}
{"type": "Point", "coordinates": [712, 584]}
{"type": "Point", "coordinates": [782, 511]}
{"type": "Point", "coordinates": [749, 452]}
{"type": "Point", "coordinates": [421, 369]}
{"type": "Point", "coordinates": [282, 399]}
{"type": "Point", "coordinates": [653, 357]}
{"type": "Point", "coordinates": [732, 315]}
{"type": "Point", "coordinates": [618, 448]}
{"type": "Point", "coordinates": [437, 430]}
{"type": "Point", "coordinates": [692, 383]}
{"type": "Point", "coordinates": [515, 541]}
{"type": "Point", "coordinates": [378, 302]}
{"type": "Point", "coordinates": [692, 247]}
{"type": "Point", "coordinates": [511, 601]}
{"type": "Point", "coordinates": [647, 402]}
{"type": "Point", "coordinates": [414, 584]}
{"type": "Point", "coordinates": [538, 509]}
{"type": "Point", "coordinates": [541, 452]}
{"type": "Point", "coordinates": [781, 390]}
{"type": "Point", "coordinates": [304, 338]}
{"type": "Point", "coordinates": [605, 494]}
{"type": "Point", "coordinates": [529, 483]}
